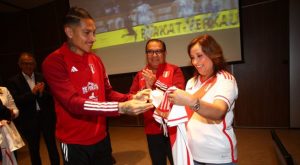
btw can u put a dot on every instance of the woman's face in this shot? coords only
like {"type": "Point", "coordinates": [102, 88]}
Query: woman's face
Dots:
{"type": "Point", "coordinates": [201, 61]}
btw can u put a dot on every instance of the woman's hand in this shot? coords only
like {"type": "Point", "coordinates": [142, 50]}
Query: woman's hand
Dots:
{"type": "Point", "coordinates": [181, 97]}
{"type": "Point", "coordinates": [3, 122]}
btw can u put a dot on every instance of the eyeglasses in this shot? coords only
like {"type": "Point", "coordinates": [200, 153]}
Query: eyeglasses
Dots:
{"type": "Point", "coordinates": [157, 52]}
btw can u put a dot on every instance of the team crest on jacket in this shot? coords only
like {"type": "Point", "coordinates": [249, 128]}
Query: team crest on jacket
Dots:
{"type": "Point", "coordinates": [90, 87]}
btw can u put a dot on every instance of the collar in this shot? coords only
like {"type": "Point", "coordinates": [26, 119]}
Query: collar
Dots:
{"type": "Point", "coordinates": [74, 56]}
{"type": "Point", "coordinates": [28, 77]}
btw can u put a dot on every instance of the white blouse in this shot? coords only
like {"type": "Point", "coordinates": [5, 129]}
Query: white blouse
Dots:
{"type": "Point", "coordinates": [8, 101]}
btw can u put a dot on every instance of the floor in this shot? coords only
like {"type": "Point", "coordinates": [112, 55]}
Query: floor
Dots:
{"type": "Point", "coordinates": [255, 147]}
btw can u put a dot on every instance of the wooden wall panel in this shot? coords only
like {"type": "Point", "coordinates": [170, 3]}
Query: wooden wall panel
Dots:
{"type": "Point", "coordinates": [294, 63]}
{"type": "Point", "coordinates": [263, 78]}
{"type": "Point", "coordinates": [15, 37]}
{"type": "Point", "coordinates": [38, 31]}
{"type": "Point", "coordinates": [46, 28]}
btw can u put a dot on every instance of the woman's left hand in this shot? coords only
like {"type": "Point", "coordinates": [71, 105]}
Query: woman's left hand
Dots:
{"type": "Point", "coordinates": [180, 97]}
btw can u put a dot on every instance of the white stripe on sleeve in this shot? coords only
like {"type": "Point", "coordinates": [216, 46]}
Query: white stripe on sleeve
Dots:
{"type": "Point", "coordinates": [101, 106]}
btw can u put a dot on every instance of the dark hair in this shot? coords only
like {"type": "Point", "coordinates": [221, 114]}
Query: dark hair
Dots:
{"type": "Point", "coordinates": [212, 49]}
{"type": "Point", "coordinates": [156, 40]}
{"type": "Point", "coordinates": [26, 54]}
{"type": "Point", "coordinates": [75, 15]}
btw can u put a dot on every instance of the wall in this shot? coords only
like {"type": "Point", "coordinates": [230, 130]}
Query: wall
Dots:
{"type": "Point", "coordinates": [15, 37]}
{"type": "Point", "coordinates": [294, 63]}
{"type": "Point", "coordinates": [263, 77]}
{"type": "Point", "coordinates": [46, 27]}
{"type": "Point", "coordinates": [38, 31]}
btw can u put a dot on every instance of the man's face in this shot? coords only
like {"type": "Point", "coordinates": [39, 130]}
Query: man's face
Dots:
{"type": "Point", "coordinates": [82, 36]}
{"type": "Point", "coordinates": [156, 54]}
{"type": "Point", "coordinates": [27, 65]}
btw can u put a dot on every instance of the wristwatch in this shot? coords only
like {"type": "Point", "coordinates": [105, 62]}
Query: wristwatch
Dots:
{"type": "Point", "coordinates": [196, 106]}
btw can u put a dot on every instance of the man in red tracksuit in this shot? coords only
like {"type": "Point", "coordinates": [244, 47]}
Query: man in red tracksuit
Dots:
{"type": "Point", "coordinates": [83, 95]}
{"type": "Point", "coordinates": [157, 75]}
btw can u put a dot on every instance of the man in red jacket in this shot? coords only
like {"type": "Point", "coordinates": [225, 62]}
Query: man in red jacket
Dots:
{"type": "Point", "coordinates": [83, 95]}
{"type": "Point", "coordinates": [157, 75]}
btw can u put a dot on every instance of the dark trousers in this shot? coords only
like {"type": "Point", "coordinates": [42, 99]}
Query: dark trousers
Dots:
{"type": "Point", "coordinates": [159, 148]}
{"type": "Point", "coordinates": [40, 124]}
{"type": "Point", "coordinates": [96, 154]}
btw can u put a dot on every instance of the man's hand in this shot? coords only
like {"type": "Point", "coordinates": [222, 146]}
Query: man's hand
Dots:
{"type": "Point", "coordinates": [149, 77]}
{"type": "Point", "coordinates": [41, 87]}
{"type": "Point", "coordinates": [35, 90]}
{"type": "Point", "coordinates": [143, 95]}
{"type": "Point", "coordinates": [134, 107]}
{"type": "Point", "coordinates": [38, 88]}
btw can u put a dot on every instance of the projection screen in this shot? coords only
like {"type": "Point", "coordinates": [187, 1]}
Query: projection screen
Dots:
{"type": "Point", "coordinates": [124, 26]}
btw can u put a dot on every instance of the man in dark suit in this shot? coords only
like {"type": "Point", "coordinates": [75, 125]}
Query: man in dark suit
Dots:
{"type": "Point", "coordinates": [36, 109]}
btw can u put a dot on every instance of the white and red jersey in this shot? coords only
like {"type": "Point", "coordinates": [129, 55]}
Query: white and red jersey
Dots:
{"type": "Point", "coordinates": [173, 119]}
{"type": "Point", "coordinates": [214, 142]}
{"type": "Point", "coordinates": [81, 91]}
{"type": "Point", "coordinates": [8, 101]}
{"type": "Point", "coordinates": [167, 75]}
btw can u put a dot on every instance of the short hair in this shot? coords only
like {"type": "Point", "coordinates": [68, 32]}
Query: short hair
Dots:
{"type": "Point", "coordinates": [156, 40]}
{"type": "Point", "coordinates": [212, 49]}
{"type": "Point", "coordinates": [26, 54]}
{"type": "Point", "coordinates": [74, 16]}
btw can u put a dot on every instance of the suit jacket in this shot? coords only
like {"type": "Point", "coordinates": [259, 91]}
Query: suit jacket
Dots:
{"type": "Point", "coordinates": [26, 102]}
